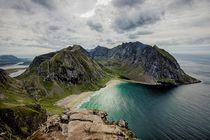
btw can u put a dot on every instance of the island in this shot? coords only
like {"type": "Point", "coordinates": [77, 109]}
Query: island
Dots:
{"type": "Point", "coordinates": [32, 99]}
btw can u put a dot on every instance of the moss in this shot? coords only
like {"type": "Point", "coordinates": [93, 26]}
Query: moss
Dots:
{"type": "Point", "coordinates": [56, 57]}
{"type": "Point", "coordinates": [165, 54]}
{"type": "Point", "coordinates": [24, 130]}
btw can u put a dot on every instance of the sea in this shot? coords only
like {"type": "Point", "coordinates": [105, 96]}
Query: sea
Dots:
{"type": "Point", "coordinates": [178, 113]}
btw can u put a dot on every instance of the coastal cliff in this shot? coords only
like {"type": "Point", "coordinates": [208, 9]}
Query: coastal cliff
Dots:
{"type": "Point", "coordinates": [83, 124]}
{"type": "Point", "coordinates": [143, 63]}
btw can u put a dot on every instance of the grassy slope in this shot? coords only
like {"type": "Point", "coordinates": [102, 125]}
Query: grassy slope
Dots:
{"type": "Point", "coordinates": [14, 95]}
{"type": "Point", "coordinates": [52, 91]}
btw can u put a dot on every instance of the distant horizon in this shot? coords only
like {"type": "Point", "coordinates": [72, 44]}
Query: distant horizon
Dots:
{"type": "Point", "coordinates": [203, 50]}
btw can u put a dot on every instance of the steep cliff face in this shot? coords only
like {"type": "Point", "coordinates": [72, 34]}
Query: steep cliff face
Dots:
{"type": "Point", "coordinates": [143, 63]}
{"type": "Point", "coordinates": [19, 122]}
{"type": "Point", "coordinates": [71, 65]}
{"type": "Point", "coordinates": [83, 124]}
{"type": "Point", "coordinates": [4, 78]}
{"type": "Point", "coordinates": [19, 117]}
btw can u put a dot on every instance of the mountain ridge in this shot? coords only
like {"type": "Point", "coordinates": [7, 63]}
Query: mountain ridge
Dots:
{"type": "Point", "coordinates": [143, 63]}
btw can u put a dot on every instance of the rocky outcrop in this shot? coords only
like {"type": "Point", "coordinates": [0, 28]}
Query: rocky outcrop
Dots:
{"type": "Point", "coordinates": [83, 124]}
{"type": "Point", "coordinates": [71, 65]}
{"type": "Point", "coordinates": [144, 63]}
{"type": "Point", "coordinates": [19, 122]}
{"type": "Point", "coordinates": [4, 78]}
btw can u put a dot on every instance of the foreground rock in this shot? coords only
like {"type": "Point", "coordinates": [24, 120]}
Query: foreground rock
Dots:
{"type": "Point", "coordinates": [83, 124]}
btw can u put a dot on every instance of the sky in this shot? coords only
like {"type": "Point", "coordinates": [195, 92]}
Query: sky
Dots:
{"type": "Point", "coordinates": [33, 27]}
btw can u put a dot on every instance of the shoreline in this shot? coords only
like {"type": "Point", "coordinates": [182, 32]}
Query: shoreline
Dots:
{"type": "Point", "coordinates": [73, 101]}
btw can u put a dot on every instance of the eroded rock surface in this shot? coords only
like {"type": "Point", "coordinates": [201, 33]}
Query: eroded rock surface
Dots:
{"type": "Point", "coordinates": [83, 125]}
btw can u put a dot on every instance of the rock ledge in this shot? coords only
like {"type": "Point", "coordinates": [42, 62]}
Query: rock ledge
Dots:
{"type": "Point", "coordinates": [83, 124]}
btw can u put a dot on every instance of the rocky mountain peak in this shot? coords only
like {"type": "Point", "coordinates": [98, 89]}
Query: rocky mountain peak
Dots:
{"type": "Point", "coordinates": [71, 65]}
{"type": "Point", "coordinates": [144, 63]}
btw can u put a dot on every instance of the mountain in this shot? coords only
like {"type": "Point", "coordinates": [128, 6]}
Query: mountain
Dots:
{"type": "Point", "coordinates": [8, 59]}
{"type": "Point", "coordinates": [53, 76]}
{"type": "Point", "coordinates": [67, 71]}
{"type": "Point", "coordinates": [19, 116]}
{"type": "Point", "coordinates": [72, 65]}
{"type": "Point", "coordinates": [11, 59]}
{"type": "Point", "coordinates": [144, 63]}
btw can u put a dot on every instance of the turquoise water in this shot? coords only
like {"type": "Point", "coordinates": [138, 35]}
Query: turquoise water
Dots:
{"type": "Point", "coordinates": [177, 113]}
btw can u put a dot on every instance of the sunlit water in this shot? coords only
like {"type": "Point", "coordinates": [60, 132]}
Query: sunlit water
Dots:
{"type": "Point", "coordinates": [178, 113]}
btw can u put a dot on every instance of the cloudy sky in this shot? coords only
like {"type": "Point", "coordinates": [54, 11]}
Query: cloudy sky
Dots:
{"type": "Point", "coordinates": [33, 27]}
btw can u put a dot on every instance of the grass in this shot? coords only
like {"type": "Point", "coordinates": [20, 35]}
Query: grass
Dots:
{"type": "Point", "coordinates": [13, 97]}
{"type": "Point", "coordinates": [165, 54]}
{"type": "Point", "coordinates": [48, 102]}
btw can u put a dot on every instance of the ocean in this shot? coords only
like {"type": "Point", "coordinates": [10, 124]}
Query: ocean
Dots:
{"type": "Point", "coordinates": [179, 113]}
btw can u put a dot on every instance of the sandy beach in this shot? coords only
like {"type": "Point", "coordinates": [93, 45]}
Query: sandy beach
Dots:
{"type": "Point", "coordinates": [72, 101]}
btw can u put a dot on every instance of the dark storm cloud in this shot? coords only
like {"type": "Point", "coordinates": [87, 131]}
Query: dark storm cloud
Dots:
{"type": "Point", "coordinates": [123, 3]}
{"type": "Point", "coordinates": [126, 23]}
{"type": "Point", "coordinates": [95, 26]}
{"type": "Point", "coordinates": [45, 3]}
{"type": "Point", "coordinates": [131, 14]}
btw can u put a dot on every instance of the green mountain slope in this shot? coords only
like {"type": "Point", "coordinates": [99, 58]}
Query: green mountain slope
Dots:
{"type": "Point", "coordinates": [55, 75]}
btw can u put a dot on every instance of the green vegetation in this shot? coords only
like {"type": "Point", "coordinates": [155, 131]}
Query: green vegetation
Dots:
{"type": "Point", "coordinates": [167, 81]}
{"type": "Point", "coordinates": [48, 101]}
{"type": "Point", "coordinates": [165, 54]}
{"type": "Point", "coordinates": [21, 121]}
{"type": "Point", "coordinates": [52, 91]}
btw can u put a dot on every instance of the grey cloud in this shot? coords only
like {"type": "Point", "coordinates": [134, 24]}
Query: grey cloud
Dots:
{"type": "Point", "coordinates": [45, 3]}
{"type": "Point", "coordinates": [131, 14]}
{"type": "Point", "coordinates": [126, 3]}
{"type": "Point", "coordinates": [23, 7]}
{"type": "Point", "coordinates": [204, 40]}
{"type": "Point", "coordinates": [53, 28]}
{"type": "Point", "coordinates": [70, 30]}
{"type": "Point", "coordinates": [20, 6]}
{"type": "Point", "coordinates": [55, 24]}
{"type": "Point", "coordinates": [139, 33]}
{"type": "Point", "coordinates": [126, 22]}
{"type": "Point", "coordinates": [110, 41]}
{"type": "Point", "coordinates": [95, 26]}
{"type": "Point", "coordinates": [181, 3]}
